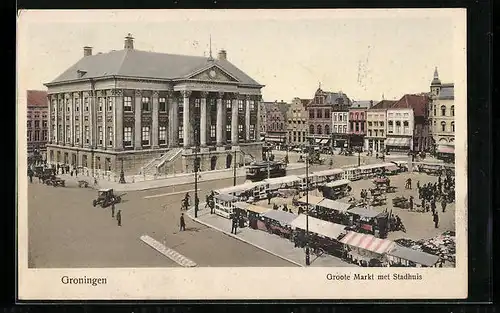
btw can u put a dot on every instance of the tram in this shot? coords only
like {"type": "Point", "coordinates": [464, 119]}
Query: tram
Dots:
{"type": "Point", "coordinates": [258, 171]}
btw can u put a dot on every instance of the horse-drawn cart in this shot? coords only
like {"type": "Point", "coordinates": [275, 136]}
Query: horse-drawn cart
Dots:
{"type": "Point", "coordinates": [83, 184]}
{"type": "Point", "coordinates": [105, 197]}
{"type": "Point", "coordinates": [401, 202]}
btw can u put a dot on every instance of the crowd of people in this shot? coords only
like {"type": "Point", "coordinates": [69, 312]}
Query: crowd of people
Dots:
{"type": "Point", "coordinates": [431, 194]}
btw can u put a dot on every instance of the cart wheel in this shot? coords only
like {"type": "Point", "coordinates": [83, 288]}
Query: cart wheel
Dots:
{"type": "Point", "coordinates": [94, 203]}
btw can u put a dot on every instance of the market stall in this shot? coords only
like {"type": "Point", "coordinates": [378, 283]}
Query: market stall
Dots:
{"type": "Point", "coordinates": [336, 189]}
{"type": "Point", "coordinates": [278, 222]}
{"type": "Point", "coordinates": [407, 257]}
{"type": "Point", "coordinates": [367, 221]}
{"type": "Point", "coordinates": [253, 215]}
{"type": "Point", "coordinates": [326, 176]}
{"type": "Point", "coordinates": [310, 200]}
{"type": "Point", "coordinates": [332, 211]}
{"type": "Point", "coordinates": [364, 249]}
{"type": "Point", "coordinates": [224, 204]}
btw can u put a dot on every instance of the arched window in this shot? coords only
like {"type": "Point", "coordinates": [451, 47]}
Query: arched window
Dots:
{"type": "Point", "coordinates": [453, 126]}
{"type": "Point", "coordinates": [311, 129]}
{"type": "Point", "coordinates": [327, 129]}
{"type": "Point", "coordinates": [452, 110]}
{"type": "Point", "coordinates": [320, 130]}
{"type": "Point", "coordinates": [443, 110]}
{"type": "Point", "coordinates": [443, 126]}
{"type": "Point", "coordinates": [340, 117]}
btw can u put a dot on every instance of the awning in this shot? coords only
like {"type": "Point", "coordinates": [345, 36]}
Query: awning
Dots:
{"type": "Point", "coordinates": [274, 139]}
{"type": "Point", "coordinates": [398, 142]}
{"type": "Point", "coordinates": [317, 140]}
{"type": "Point", "coordinates": [280, 216]}
{"type": "Point", "coordinates": [334, 205]}
{"type": "Point", "coordinates": [225, 197]}
{"type": "Point", "coordinates": [446, 149]}
{"type": "Point", "coordinates": [256, 209]}
{"type": "Point", "coordinates": [313, 200]}
{"type": "Point", "coordinates": [338, 183]}
{"type": "Point", "coordinates": [367, 242]}
{"type": "Point", "coordinates": [324, 141]}
{"type": "Point", "coordinates": [412, 255]}
{"type": "Point", "coordinates": [364, 212]}
{"type": "Point", "coordinates": [320, 227]}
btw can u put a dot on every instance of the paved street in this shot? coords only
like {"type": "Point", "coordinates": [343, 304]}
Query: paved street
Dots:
{"type": "Point", "coordinates": [65, 230]}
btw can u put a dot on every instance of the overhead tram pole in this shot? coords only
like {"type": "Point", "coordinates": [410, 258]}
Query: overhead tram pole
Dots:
{"type": "Point", "coordinates": [308, 261]}
{"type": "Point", "coordinates": [196, 165]}
{"type": "Point", "coordinates": [234, 169]}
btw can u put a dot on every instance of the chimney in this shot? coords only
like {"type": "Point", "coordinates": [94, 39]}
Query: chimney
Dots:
{"type": "Point", "coordinates": [129, 42]}
{"type": "Point", "coordinates": [371, 103]}
{"type": "Point", "coordinates": [222, 55]}
{"type": "Point", "coordinates": [87, 51]}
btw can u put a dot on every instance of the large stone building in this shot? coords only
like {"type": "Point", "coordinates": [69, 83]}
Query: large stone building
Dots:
{"type": "Point", "coordinates": [37, 121]}
{"type": "Point", "coordinates": [297, 122]}
{"type": "Point", "coordinates": [320, 110]}
{"type": "Point", "coordinates": [148, 110]}
{"type": "Point", "coordinates": [276, 123]}
{"type": "Point", "coordinates": [376, 126]}
{"type": "Point", "coordinates": [442, 115]}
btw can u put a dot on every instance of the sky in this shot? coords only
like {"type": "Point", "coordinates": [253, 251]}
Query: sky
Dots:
{"type": "Point", "coordinates": [363, 53]}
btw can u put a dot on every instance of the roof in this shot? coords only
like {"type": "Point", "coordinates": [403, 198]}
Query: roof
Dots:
{"type": "Point", "coordinates": [328, 172]}
{"type": "Point", "coordinates": [447, 92]}
{"type": "Point", "coordinates": [145, 64]}
{"type": "Point", "coordinates": [362, 104]}
{"type": "Point", "coordinates": [225, 197]}
{"type": "Point", "coordinates": [305, 101]}
{"type": "Point", "coordinates": [105, 189]}
{"type": "Point", "coordinates": [334, 205]}
{"type": "Point", "coordinates": [257, 209]}
{"type": "Point", "coordinates": [241, 205]}
{"type": "Point", "coordinates": [280, 216]}
{"type": "Point", "coordinates": [282, 180]}
{"type": "Point", "coordinates": [384, 104]}
{"type": "Point", "coordinates": [317, 226]}
{"type": "Point", "coordinates": [416, 256]}
{"type": "Point", "coordinates": [312, 200]}
{"type": "Point", "coordinates": [37, 98]}
{"type": "Point", "coordinates": [367, 242]}
{"type": "Point", "coordinates": [364, 212]}
{"type": "Point", "coordinates": [416, 102]}
{"type": "Point", "coordinates": [337, 183]}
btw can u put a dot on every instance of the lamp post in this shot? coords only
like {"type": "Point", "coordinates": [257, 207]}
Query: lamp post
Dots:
{"type": "Point", "coordinates": [234, 169]}
{"type": "Point", "coordinates": [122, 173]}
{"type": "Point", "coordinates": [196, 166]}
{"type": "Point", "coordinates": [308, 257]}
{"type": "Point", "coordinates": [268, 164]}
{"type": "Point", "coordinates": [359, 157]}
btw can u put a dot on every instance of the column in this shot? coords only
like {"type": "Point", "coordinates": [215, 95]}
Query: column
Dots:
{"type": "Point", "coordinates": [105, 103]}
{"type": "Point", "coordinates": [154, 142]}
{"type": "Point", "coordinates": [220, 116]}
{"type": "Point", "coordinates": [82, 122]}
{"type": "Point", "coordinates": [72, 119]}
{"type": "Point", "coordinates": [91, 118]}
{"type": "Point", "coordinates": [174, 120]}
{"type": "Point", "coordinates": [49, 122]}
{"type": "Point", "coordinates": [234, 120]}
{"type": "Point", "coordinates": [257, 125]}
{"type": "Point", "coordinates": [203, 121]}
{"type": "Point", "coordinates": [247, 117]}
{"type": "Point", "coordinates": [137, 117]}
{"type": "Point", "coordinates": [118, 119]}
{"type": "Point", "coordinates": [185, 121]}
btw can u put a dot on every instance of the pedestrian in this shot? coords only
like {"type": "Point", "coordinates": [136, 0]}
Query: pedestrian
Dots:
{"type": "Point", "coordinates": [418, 185]}
{"type": "Point", "coordinates": [411, 203]}
{"type": "Point", "coordinates": [409, 183]}
{"type": "Point", "coordinates": [183, 223]}
{"type": "Point", "coordinates": [113, 210]}
{"type": "Point", "coordinates": [443, 205]}
{"type": "Point", "coordinates": [269, 198]}
{"type": "Point", "coordinates": [71, 173]}
{"type": "Point", "coordinates": [30, 174]}
{"type": "Point", "coordinates": [119, 217]}
{"type": "Point", "coordinates": [436, 220]}
{"type": "Point", "coordinates": [234, 226]}
{"type": "Point", "coordinates": [433, 205]}
{"type": "Point", "coordinates": [76, 172]}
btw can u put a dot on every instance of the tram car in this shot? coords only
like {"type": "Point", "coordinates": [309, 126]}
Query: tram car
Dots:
{"type": "Point", "coordinates": [258, 171]}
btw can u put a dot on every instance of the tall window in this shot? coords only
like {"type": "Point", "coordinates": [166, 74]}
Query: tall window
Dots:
{"type": "Point", "coordinates": [100, 134]}
{"type": "Point", "coordinates": [110, 136]}
{"type": "Point", "coordinates": [452, 110]}
{"type": "Point", "coordinates": [212, 131]}
{"type": "Point", "coordinates": [77, 133]}
{"type": "Point", "coordinates": [240, 105]}
{"type": "Point", "coordinates": [311, 129]}
{"type": "Point", "coordinates": [145, 104]}
{"type": "Point", "coordinates": [60, 135]}
{"type": "Point", "coordinates": [228, 129]}
{"type": "Point", "coordinates": [145, 135]}
{"type": "Point", "coordinates": [29, 135]}
{"type": "Point", "coordinates": [443, 126]}
{"type": "Point", "coordinates": [127, 136]}
{"type": "Point", "coordinates": [86, 103]}
{"type": "Point", "coordinates": [101, 103]}
{"type": "Point", "coordinates": [327, 129]}
{"type": "Point", "coordinates": [162, 104]}
{"type": "Point", "coordinates": [335, 129]}
{"type": "Point", "coordinates": [453, 126]}
{"type": "Point", "coordinates": [345, 129]}
{"type": "Point", "coordinates": [434, 110]}
{"type": "Point", "coordinates": [68, 106]}
{"type": "Point", "coordinates": [181, 132]}
{"type": "Point", "coordinates": [390, 127]}
{"type": "Point", "coordinates": [197, 102]}
{"type": "Point", "coordinates": [357, 126]}
{"type": "Point", "coordinates": [319, 129]}
{"type": "Point", "coordinates": [252, 132]}
{"type": "Point", "coordinates": [311, 113]}
{"type": "Point", "coordinates": [37, 124]}
{"type": "Point", "coordinates": [110, 104]}
{"type": "Point", "coordinates": [327, 113]}
{"type": "Point", "coordinates": [319, 114]}
{"type": "Point", "coordinates": [77, 105]}
{"type": "Point", "coordinates": [398, 127]}
{"type": "Point", "coordinates": [127, 104]}
{"type": "Point", "coordinates": [162, 135]}
{"type": "Point", "coordinates": [228, 104]}
{"type": "Point", "coordinates": [240, 130]}
{"type": "Point", "coordinates": [87, 135]}
{"type": "Point", "coordinates": [252, 105]}
{"type": "Point", "coordinates": [37, 135]}
{"type": "Point", "coordinates": [44, 134]}
{"type": "Point", "coordinates": [443, 110]}
{"type": "Point", "coordinates": [340, 117]}
{"type": "Point", "coordinates": [334, 117]}
{"type": "Point", "coordinates": [362, 126]}
{"type": "Point", "coordinates": [406, 127]}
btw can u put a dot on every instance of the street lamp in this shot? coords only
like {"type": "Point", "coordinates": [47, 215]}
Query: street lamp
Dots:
{"type": "Point", "coordinates": [234, 169]}
{"type": "Point", "coordinates": [359, 157]}
{"type": "Point", "coordinates": [308, 258]}
{"type": "Point", "coordinates": [122, 173]}
{"type": "Point", "coordinates": [196, 166]}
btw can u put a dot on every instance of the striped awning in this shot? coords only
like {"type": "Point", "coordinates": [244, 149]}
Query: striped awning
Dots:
{"type": "Point", "coordinates": [398, 142]}
{"type": "Point", "coordinates": [274, 139]}
{"type": "Point", "coordinates": [367, 242]}
{"type": "Point", "coordinates": [446, 149]}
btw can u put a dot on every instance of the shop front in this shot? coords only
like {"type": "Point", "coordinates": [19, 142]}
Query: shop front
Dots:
{"type": "Point", "coordinates": [398, 144]}
{"type": "Point", "coordinates": [446, 152]}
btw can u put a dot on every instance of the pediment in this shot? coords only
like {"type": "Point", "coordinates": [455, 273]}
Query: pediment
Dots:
{"type": "Point", "coordinates": [214, 73]}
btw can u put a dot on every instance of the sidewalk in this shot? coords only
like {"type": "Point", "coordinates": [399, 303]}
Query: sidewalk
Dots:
{"type": "Point", "coordinates": [151, 183]}
{"type": "Point", "coordinates": [272, 244]}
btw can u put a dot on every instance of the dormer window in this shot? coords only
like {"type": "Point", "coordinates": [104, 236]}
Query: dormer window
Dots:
{"type": "Point", "coordinates": [81, 73]}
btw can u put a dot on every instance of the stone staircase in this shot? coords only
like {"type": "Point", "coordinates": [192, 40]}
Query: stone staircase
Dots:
{"type": "Point", "coordinates": [153, 166]}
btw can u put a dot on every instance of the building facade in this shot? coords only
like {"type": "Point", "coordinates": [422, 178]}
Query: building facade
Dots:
{"type": "Point", "coordinates": [319, 112]}
{"type": "Point", "coordinates": [376, 126]}
{"type": "Point", "coordinates": [399, 129]}
{"type": "Point", "coordinates": [442, 115]}
{"type": "Point", "coordinates": [146, 111]}
{"type": "Point", "coordinates": [357, 123]}
{"type": "Point", "coordinates": [276, 122]}
{"type": "Point", "coordinates": [297, 122]}
{"type": "Point", "coordinates": [37, 121]}
{"type": "Point", "coordinates": [340, 127]}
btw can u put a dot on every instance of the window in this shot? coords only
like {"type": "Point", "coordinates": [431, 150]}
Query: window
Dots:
{"type": "Point", "coordinates": [311, 113]}
{"type": "Point", "coordinates": [228, 104]}
{"type": "Point", "coordinates": [212, 131]}
{"type": "Point", "coordinates": [340, 117]}
{"type": "Point", "coordinates": [87, 135]}
{"type": "Point", "coordinates": [319, 129]}
{"type": "Point", "coordinates": [362, 126]}
{"type": "Point", "coordinates": [162, 135]}
{"type": "Point", "coordinates": [319, 114]}
{"type": "Point", "coordinates": [357, 126]}
{"type": "Point", "coordinates": [86, 118]}
{"type": "Point", "coordinates": [398, 127]}
{"type": "Point", "coordinates": [197, 102]}
{"type": "Point", "coordinates": [240, 105]}
{"type": "Point", "coordinates": [60, 134]}
{"type": "Point", "coordinates": [101, 103]}
{"type": "Point", "coordinates": [390, 127]}
{"type": "Point", "coordinates": [110, 104]}
{"type": "Point", "coordinates": [381, 124]}
{"type": "Point", "coordinates": [29, 124]}
{"type": "Point", "coordinates": [228, 130]}
{"type": "Point", "coordinates": [145, 135]}
{"type": "Point", "coordinates": [37, 124]}
{"type": "Point", "coordinates": [181, 132]}
{"type": "Point", "coordinates": [29, 135]}
{"type": "Point", "coordinates": [443, 126]}
{"type": "Point", "coordinates": [311, 129]}
{"type": "Point", "coordinates": [381, 133]}
{"type": "Point", "coordinates": [406, 127]}
{"type": "Point", "coordinates": [334, 117]}
{"type": "Point", "coordinates": [61, 103]}
{"type": "Point", "coordinates": [252, 105]}
{"type": "Point", "coordinates": [127, 136]}
{"type": "Point", "coordinates": [37, 135]}
{"type": "Point", "coordinates": [68, 106]}
{"type": "Point", "coordinates": [145, 103]}
{"type": "Point", "coordinates": [345, 129]}
{"type": "Point", "coordinates": [100, 134]}
{"type": "Point", "coordinates": [452, 110]}
{"type": "Point", "coordinates": [77, 117]}
{"type": "Point", "coordinates": [240, 130]}
{"type": "Point", "coordinates": [68, 134]}
{"type": "Point", "coordinates": [453, 126]}
{"type": "Point", "coordinates": [163, 104]}
{"type": "Point", "coordinates": [443, 110]}
{"type": "Point", "coordinates": [327, 113]}
{"type": "Point", "coordinates": [369, 132]}
{"type": "Point", "coordinates": [376, 133]}
{"type": "Point", "coordinates": [77, 105]}
{"type": "Point", "coordinates": [252, 132]}
{"type": "Point", "coordinates": [77, 132]}
{"type": "Point", "coordinates": [110, 135]}
{"type": "Point", "coordinates": [44, 135]}
{"type": "Point", "coordinates": [127, 104]}
{"type": "Point", "coordinates": [361, 115]}
{"type": "Point", "coordinates": [335, 129]}
{"type": "Point", "coordinates": [86, 102]}
{"type": "Point", "coordinates": [327, 129]}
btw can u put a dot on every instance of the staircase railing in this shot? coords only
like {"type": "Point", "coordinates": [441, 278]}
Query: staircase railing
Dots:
{"type": "Point", "coordinates": [169, 156]}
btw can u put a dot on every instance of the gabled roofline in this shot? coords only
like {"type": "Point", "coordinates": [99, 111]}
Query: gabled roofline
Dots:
{"type": "Point", "coordinates": [201, 70]}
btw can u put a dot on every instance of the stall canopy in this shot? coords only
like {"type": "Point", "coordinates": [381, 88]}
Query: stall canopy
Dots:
{"type": "Point", "coordinates": [412, 255]}
{"type": "Point", "coordinates": [274, 139]}
{"type": "Point", "coordinates": [225, 197]}
{"type": "Point", "coordinates": [334, 205]}
{"type": "Point", "coordinates": [239, 188]}
{"type": "Point", "coordinates": [328, 172]}
{"type": "Point", "coordinates": [398, 142]}
{"type": "Point", "coordinates": [320, 227]}
{"type": "Point", "coordinates": [446, 149]}
{"type": "Point", "coordinates": [278, 181]}
{"type": "Point", "coordinates": [338, 183]}
{"type": "Point", "coordinates": [317, 140]}
{"type": "Point", "coordinates": [241, 205]}
{"type": "Point", "coordinates": [364, 212]}
{"type": "Point", "coordinates": [257, 209]}
{"type": "Point", "coordinates": [280, 216]}
{"type": "Point", "coordinates": [313, 200]}
{"type": "Point", "coordinates": [324, 141]}
{"type": "Point", "coordinates": [372, 166]}
{"type": "Point", "coordinates": [367, 242]}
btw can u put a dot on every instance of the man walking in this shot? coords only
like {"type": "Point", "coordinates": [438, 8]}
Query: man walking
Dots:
{"type": "Point", "coordinates": [411, 203]}
{"type": "Point", "coordinates": [119, 217]}
{"type": "Point", "coordinates": [433, 206]}
{"type": "Point", "coordinates": [113, 210]}
{"type": "Point", "coordinates": [268, 198]}
{"type": "Point", "coordinates": [183, 223]}
{"type": "Point", "coordinates": [234, 226]}
{"type": "Point", "coordinates": [436, 220]}
{"type": "Point", "coordinates": [30, 174]}
{"type": "Point", "coordinates": [443, 204]}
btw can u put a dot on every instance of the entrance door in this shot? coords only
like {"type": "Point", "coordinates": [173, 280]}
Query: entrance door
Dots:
{"type": "Point", "coordinates": [229, 160]}
{"type": "Point", "coordinates": [213, 163]}
{"type": "Point", "coordinates": [73, 159]}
